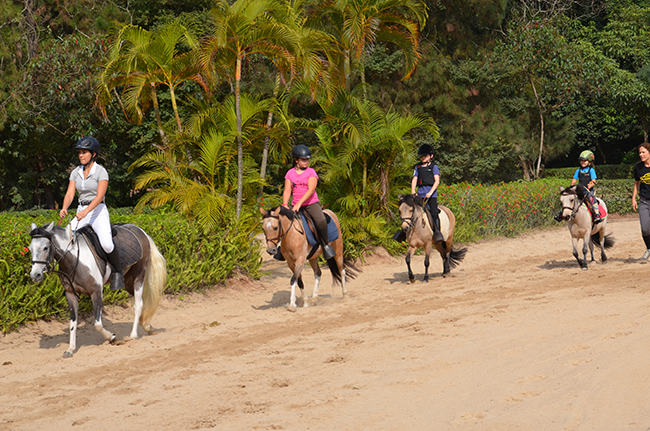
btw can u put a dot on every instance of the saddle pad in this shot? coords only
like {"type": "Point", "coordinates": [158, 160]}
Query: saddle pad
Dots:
{"type": "Point", "coordinates": [127, 244]}
{"type": "Point", "coordinates": [332, 231]}
{"type": "Point", "coordinates": [601, 210]}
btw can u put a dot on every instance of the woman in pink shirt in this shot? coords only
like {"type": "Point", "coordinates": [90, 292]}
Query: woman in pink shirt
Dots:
{"type": "Point", "coordinates": [300, 182]}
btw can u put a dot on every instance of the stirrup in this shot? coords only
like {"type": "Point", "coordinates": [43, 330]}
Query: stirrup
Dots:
{"type": "Point", "coordinates": [328, 252]}
{"type": "Point", "coordinates": [117, 280]}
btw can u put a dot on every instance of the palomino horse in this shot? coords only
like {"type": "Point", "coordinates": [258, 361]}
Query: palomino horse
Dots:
{"type": "Point", "coordinates": [82, 273]}
{"type": "Point", "coordinates": [419, 234]}
{"type": "Point", "coordinates": [581, 227]}
{"type": "Point", "coordinates": [285, 227]}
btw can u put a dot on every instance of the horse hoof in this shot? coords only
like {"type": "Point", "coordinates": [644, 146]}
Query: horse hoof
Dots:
{"type": "Point", "coordinates": [292, 308]}
{"type": "Point", "coordinates": [585, 268]}
{"type": "Point", "coordinates": [148, 328]}
{"type": "Point", "coordinates": [67, 354]}
{"type": "Point", "coordinates": [425, 280]}
{"type": "Point", "coordinates": [412, 280]}
{"type": "Point", "coordinates": [113, 338]}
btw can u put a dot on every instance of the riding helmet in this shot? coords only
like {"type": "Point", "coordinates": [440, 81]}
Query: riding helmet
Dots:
{"type": "Point", "coordinates": [301, 152]}
{"type": "Point", "coordinates": [425, 150]}
{"type": "Point", "coordinates": [587, 155]}
{"type": "Point", "coordinates": [88, 143]}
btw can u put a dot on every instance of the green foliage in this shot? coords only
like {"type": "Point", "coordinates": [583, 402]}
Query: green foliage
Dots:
{"type": "Point", "coordinates": [195, 260]}
{"type": "Point", "coordinates": [605, 172]}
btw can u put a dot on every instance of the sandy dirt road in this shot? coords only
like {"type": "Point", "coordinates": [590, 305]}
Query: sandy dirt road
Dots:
{"type": "Point", "coordinates": [517, 338]}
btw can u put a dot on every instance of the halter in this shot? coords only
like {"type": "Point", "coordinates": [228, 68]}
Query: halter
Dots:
{"type": "Point", "coordinates": [51, 261]}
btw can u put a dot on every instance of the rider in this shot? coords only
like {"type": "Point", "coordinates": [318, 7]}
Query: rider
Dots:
{"type": "Point", "coordinates": [91, 181]}
{"type": "Point", "coordinates": [300, 182]}
{"type": "Point", "coordinates": [426, 178]}
{"type": "Point", "coordinates": [586, 176]}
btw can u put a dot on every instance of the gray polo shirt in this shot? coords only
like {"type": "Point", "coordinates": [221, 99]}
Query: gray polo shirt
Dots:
{"type": "Point", "coordinates": [87, 187]}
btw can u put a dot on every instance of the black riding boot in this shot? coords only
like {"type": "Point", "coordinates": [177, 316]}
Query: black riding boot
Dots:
{"type": "Point", "coordinates": [328, 251]}
{"type": "Point", "coordinates": [117, 278]}
{"type": "Point", "coordinates": [400, 236]}
{"type": "Point", "coordinates": [437, 235]}
{"type": "Point", "coordinates": [278, 255]}
{"type": "Point", "coordinates": [558, 216]}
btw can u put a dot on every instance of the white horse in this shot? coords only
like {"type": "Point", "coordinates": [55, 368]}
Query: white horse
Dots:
{"type": "Point", "coordinates": [581, 226]}
{"type": "Point", "coordinates": [82, 273]}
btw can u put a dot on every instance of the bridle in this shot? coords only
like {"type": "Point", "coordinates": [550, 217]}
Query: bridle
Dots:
{"type": "Point", "coordinates": [51, 261]}
{"type": "Point", "coordinates": [410, 221]}
{"type": "Point", "coordinates": [275, 241]}
{"type": "Point", "coordinates": [575, 208]}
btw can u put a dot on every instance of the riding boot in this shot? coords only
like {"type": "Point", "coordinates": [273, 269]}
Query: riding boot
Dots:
{"type": "Point", "coordinates": [278, 255]}
{"type": "Point", "coordinates": [328, 251]}
{"type": "Point", "coordinates": [558, 216]}
{"type": "Point", "coordinates": [400, 236]}
{"type": "Point", "coordinates": [437, 234]}
{"type": "Point", "coordinates": [117, 278]}
{"type": "Point", "coordinates": [596, 213]}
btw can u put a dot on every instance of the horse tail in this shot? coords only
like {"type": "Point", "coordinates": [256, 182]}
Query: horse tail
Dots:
{"type": "Point", "coordinates": [351, 270]}
{"type": "Point", "coordinates": [334, 269]}
{"type": "Point", "coordinates": [609, 240]}
{"type": "Point", "coordinates": [456, 256]}
{"type": "Point", "coordinates": [155, 279]}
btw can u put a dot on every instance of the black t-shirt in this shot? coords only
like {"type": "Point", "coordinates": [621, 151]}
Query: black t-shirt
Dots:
{"type": "Point", "coordinates": [642, 174]}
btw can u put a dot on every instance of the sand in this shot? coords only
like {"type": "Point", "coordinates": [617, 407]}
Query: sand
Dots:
{"type": "Point", "coordinates": [516, 338]}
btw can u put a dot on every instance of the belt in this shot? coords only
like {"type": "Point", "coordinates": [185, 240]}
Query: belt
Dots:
{"type": "Point", "coordinates": [85, 203]}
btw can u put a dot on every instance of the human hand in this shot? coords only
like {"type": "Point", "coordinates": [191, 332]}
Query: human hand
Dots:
{"type": "Point", "coordinates": [81, 214]}
{"type": "Point", "coordinates": [634, 205]}
{"type": "Point", "coordinates": [63, 213]}
{"type": "Point", "coordinates": [296, 208]}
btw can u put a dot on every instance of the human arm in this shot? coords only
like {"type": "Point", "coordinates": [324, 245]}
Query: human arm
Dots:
{"type": "Point", "coordinates": [286, 194]}
{"type": "Point", "coordinates": [102, 186]}
{"type": "Point", "coordinates": [637, 184]}
{"type": "Point", "coordinates": [573, 182]}
{"type": "Point", "coordinates": [67, 199]}
{"type": "Point", "coordinates": [436, 183]}
{"type": "Point", "coordinates": [592, 182]}
{"type": "Point", "coordinates": [414, 185]}
{"type": "Point", "coordinates": [312, 182]}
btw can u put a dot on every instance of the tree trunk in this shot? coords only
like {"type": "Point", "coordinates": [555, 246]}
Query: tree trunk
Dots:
{"type": "Point", "coordinates": [644, 122]}
{"type": "Point", "coordinates": [265, 153]}
{"type": "Point", "coordinates": [240, 148]}
{"type": "Point", "coordinates": [541, 122]}
{"type": "Point", "coordinates": [156, 110]}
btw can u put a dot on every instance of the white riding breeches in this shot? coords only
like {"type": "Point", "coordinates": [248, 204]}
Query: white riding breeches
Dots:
{"type": "Point", "coordinates": [101, 224]}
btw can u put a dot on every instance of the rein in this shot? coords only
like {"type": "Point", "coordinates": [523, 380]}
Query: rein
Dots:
{"type": "Point", "coordinates": [410, 221]}
{"type": "Point", "coordinates": [575, 208]}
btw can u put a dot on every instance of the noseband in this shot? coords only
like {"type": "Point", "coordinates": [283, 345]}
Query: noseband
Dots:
{"type": "Point", "coordinates": [575, 208]}
{"type": "Point", "coordinates": [275, 241]}
{"type": "Point", "coordinates": [51, 261]}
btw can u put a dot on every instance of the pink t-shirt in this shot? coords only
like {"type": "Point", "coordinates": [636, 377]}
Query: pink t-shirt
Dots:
{"type": "Point", "coordinates": [300, 185]}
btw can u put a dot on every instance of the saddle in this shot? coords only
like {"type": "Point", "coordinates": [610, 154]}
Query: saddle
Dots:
{"type": "Point", "coordinates": [128, 245]}
{"type": "Point", "coordinates": [313, 237]}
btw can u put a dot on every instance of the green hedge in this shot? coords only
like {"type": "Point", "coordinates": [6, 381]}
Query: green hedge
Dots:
{"type": "Point", "coordinates": [604, 172]}
{"type": "Point", "coordinates": [195, 260]}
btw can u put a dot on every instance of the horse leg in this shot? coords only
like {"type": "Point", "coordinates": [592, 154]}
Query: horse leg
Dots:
{"type": "Point", "coordinates": [317, 275]}
{"type": "Point", "coordinates": [97, 309]}
{"type": "Point", "coordinates": [446, 256]}
{"type": "Point", "coordinates": [585, 247]}
{"type": "Point", "coordinates": [603, 256]}
{"type": "Point", "coordinates": [409, 253]}
{"type": "Point", "coordinates": [576, 255]}
{"type": "Point", "coordinates": [591, 249]}
{"type": "Point", "coordinates": [427, 256]}
{"type": "Point", "coordinates": [73, 307]}
{"type": "Point", "coordinates": [296, 279]}
{"type": "Point", "coordinates": [138, 289]}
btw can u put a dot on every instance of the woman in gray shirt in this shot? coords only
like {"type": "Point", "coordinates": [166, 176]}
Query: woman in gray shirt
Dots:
{"type": "Point", "coordinates": [91, 181]}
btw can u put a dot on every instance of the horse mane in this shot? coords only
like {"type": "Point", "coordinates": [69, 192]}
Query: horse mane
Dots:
{"type": "Point", "coordinates": [283, 211]}
{"type": "Point", "coordinates": [40, 232]}
{"type": "Point", "coordinates": [578, 190]}
{"type": "Point", "coordinates": [411, 200]}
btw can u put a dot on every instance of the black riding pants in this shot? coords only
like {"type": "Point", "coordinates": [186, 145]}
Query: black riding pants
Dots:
{"type": "Point", "coordinates": [316, 212]}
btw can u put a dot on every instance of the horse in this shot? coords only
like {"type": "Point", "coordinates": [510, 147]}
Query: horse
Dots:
{"type": "Point", "coordinates": [419, 234]}
{"type": "Point", "coordinates": [283, 226]}
{"type": "Point", "coordinates": [574, 209]}
{"type": "Point", "coordinates": [82, 273]}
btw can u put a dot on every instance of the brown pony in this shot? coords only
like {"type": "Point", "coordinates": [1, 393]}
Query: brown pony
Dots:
{"type": "Point", "coordinates": [283, 226]}
{"type": "Point", "coordinates": [419, 234]}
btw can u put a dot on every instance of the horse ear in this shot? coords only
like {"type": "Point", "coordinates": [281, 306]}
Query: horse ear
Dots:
{"type": "Point", "coordinates": [263, 211]}
{"type": "Point", "coordinates": [50, 227]}
{"type": "Point", "coordinates": [34, 226]}
{"type": "Point", "coordinates": [276, 212]}
{"type": "Point", "coordinates": [400, 196]}
{"type": "Point", "coordinates": [562, 189]}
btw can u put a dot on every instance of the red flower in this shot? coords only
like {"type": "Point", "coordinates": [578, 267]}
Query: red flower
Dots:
{"type": "Point", "coordinates": [22, 252]}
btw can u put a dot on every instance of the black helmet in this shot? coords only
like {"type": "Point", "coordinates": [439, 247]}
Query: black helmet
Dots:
{"type": "Point", "coordinates": [425, 150]}
{"type": "Point", "coordinates": [301, 152]}
{"type": "Point", "coordinates": [88, 143]}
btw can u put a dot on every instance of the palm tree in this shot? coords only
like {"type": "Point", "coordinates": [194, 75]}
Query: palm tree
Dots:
{"type": "Point", "coordinates": [244, 29]}
{"type": "Point", "coordinates": [202, 189]}
{"type": "Point", "coordinates": [143, 62]}
{"type": "Point", "coordinates": [359, 24]}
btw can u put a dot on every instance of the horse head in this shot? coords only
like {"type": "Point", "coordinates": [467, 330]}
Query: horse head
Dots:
{"type": "Point", "coordinates": [571, 198]}
{"type": "Point", "coordinates": [272, 228]}
{"type": "Point", "coordinates": [44, 249]}
{"type": "Point", "coordinates": [407, 204]}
